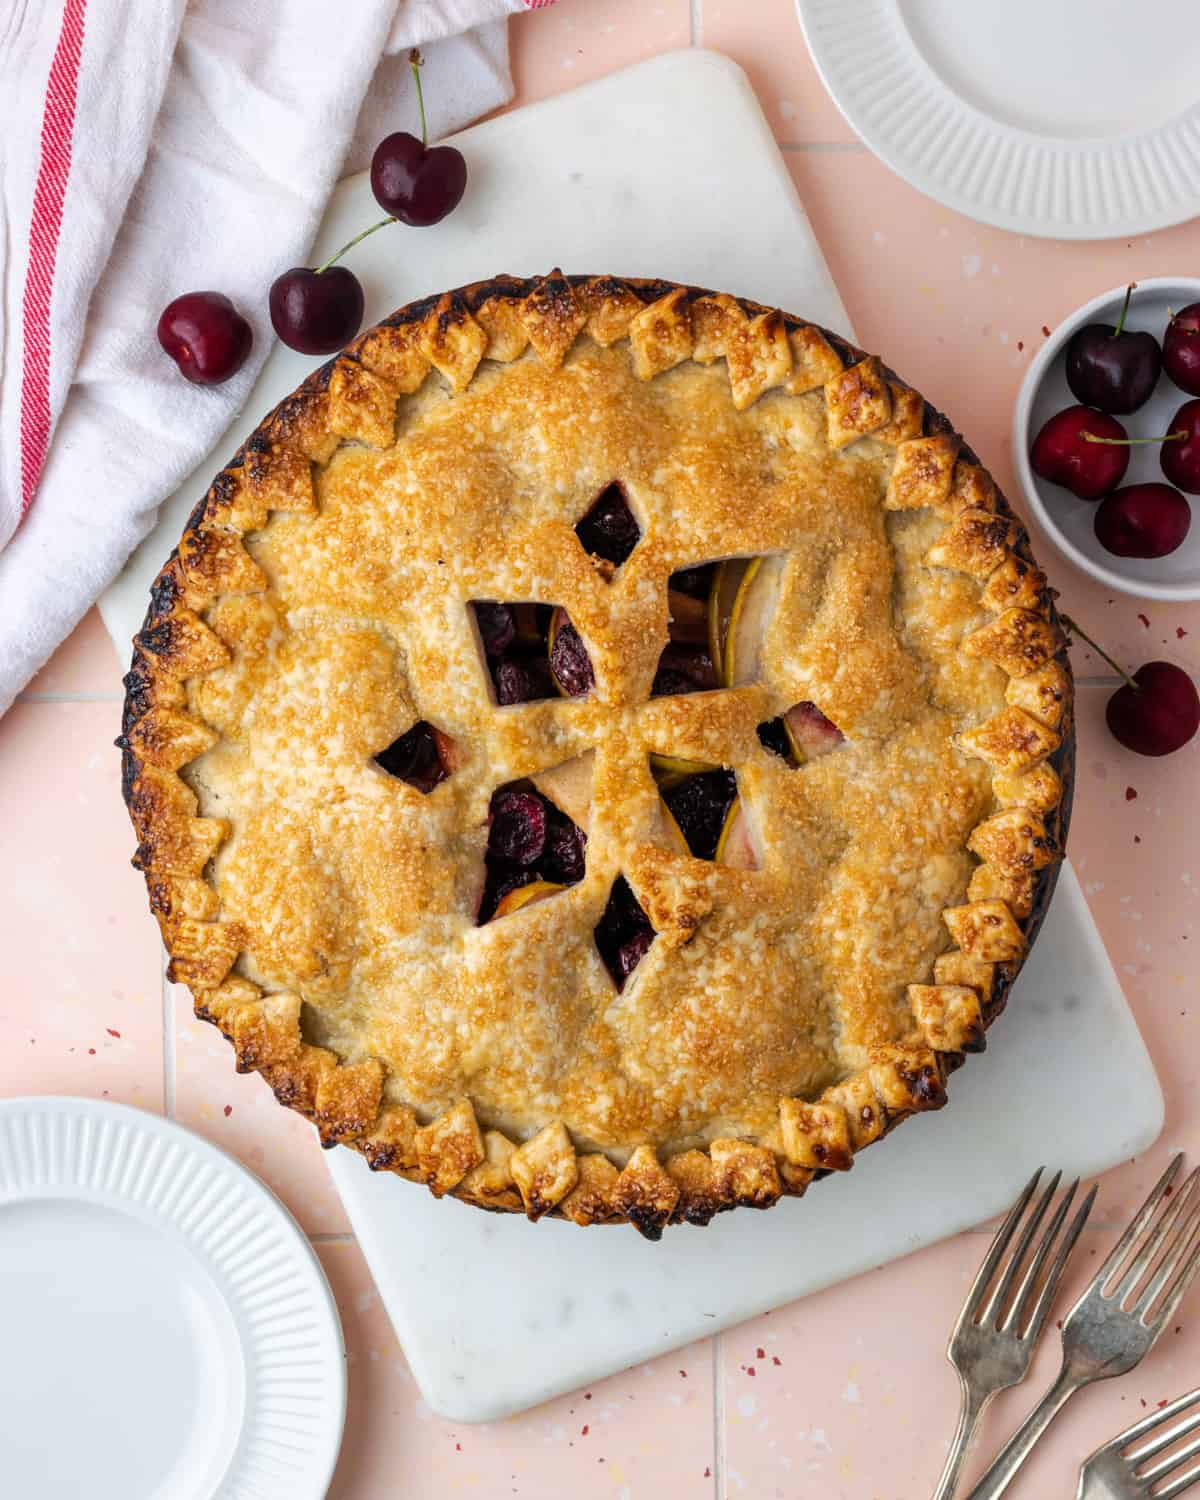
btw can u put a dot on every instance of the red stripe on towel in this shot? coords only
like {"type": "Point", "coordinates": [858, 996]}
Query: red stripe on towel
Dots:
{"type": "Point", "coordinates": [49, 194]}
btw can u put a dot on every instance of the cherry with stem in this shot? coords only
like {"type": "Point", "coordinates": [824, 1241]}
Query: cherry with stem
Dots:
{"type": "Point", "coordinates": [1156, 711]}
{"type": "Point", "coordinates": [318, 310]}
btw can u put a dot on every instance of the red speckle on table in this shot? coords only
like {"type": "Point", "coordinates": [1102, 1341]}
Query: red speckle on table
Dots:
{"type": "Point", "coordinates": [775, 1359]}
{"type": "Point", "coordinates": [750, 1370]}
{"type": "Point", "coordinates": [760, 1354]}
{"type": "Point", "coordinates": [587, 1395]}
{"type": "Point", "coordinates": [1137, 839]}
{"type": "Point", "coordinates": [707, 1472]}
{"type": "Point", "coordinates": [1020, 344]}
{"type": "Point", "coordinates": [1161, 1404]}
{"type": "Point", "coordinates": [228, 1110]}
{"type": "Point", "coordinates": [458, 1447]}
{"type": "Point", "coordinates": [1180, 632]}
{"type": "Point", "coordinates": [1130, 794]}
{"type": "Point", "coordinates": [1045, 331]}
{"type": "Point", "coordinates": [1058, 1324]}
{"type": "Point", "coordinates": [111, 1032]}
{"type": "Point", "coordinates": [583, 1431]}
{"type": "Point", "coordinates": [683, 1373]}
{"type": "Point", "coordinates": [1144, 620]}
{"type": "Point", "coordinates": [1142, 1399]}
{"type": "Point", "coordinates": [91, 1051]}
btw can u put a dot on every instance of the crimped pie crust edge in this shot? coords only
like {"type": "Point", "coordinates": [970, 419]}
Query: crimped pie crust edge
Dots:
{"type": "Point", "coordinates": [1029, 744]}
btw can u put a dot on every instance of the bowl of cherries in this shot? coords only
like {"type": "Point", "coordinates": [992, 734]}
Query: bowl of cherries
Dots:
{"type": "Point", "coordinates": [1107, 438]}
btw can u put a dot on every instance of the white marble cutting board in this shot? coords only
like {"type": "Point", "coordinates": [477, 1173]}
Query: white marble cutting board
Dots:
{"type": "Point", "coordinates": [669, 169]}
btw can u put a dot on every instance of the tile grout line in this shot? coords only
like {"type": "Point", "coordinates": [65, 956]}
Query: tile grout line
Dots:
{"type": "Point", "coordinates": [718, 1420]}
{"type": "Point", "coordinates": [69, 698]}
{"type": "Point", "coordinates": [828, 147]}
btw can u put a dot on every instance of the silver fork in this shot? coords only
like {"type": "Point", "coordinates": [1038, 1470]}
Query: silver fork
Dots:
{"type": "Point", "coordinates": [1102, 1337]}
{"type": "Point", "coordinates": [1112, 1474]}
{"type": "Point", "coordinates": [995, 1336]}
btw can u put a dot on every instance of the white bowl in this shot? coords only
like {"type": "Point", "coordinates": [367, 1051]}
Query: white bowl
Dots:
{"type": "Point", "coordinates": [1068, 521]}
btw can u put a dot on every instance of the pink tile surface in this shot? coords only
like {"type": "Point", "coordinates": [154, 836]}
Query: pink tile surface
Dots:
{"type": "Point", "coordinates": [575, 40]}
{"type": "Point", "coordinates": [80, 1004]}
{"type": "Point", "coordinates": [850, 1395]}
{"type": "Point", "coordinates": [766, 40]}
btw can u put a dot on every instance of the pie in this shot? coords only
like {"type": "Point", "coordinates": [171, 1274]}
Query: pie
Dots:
{"type": "Point", "coordinates": [601, 749]}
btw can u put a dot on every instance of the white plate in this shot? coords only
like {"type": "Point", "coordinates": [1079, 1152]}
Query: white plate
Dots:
{"type": "Point", "coordinates": [1074, 119]}
{"type": "Point", "coordinates": [1070, 522]}
{"type": "Point", "coordinates": [166, 1332]}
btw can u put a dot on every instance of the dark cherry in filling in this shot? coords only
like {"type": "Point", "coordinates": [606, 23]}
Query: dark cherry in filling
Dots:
{"type": "Point", "coordinates": [623, 933]}
{"type": "Point", "coordinates": [521, 662]}
{"type": "Point", "coordinates": [774, 736]}
{"type": "Point", "coordinates": [695, 582]}
{"type": "Point", "coordinates": [529, 839]}
{"type": "Point", "coordinates": [683, 669]}
{"type": "Point", "coordinates": [700, 804]}
{"type": "Point", "coordinates": [686, 665]}
{"type": "Point", "coordinates": [416, 757]}
{"type": "Point", "coordinates": [570, 663]}
{"type": "Point", "coordinates": [610, 529]}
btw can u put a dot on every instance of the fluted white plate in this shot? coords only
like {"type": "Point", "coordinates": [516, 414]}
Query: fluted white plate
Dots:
{"type": "Point", "coordinates": [166, 1332]}
{"type": "Point", "coordinates": [1074, 119]}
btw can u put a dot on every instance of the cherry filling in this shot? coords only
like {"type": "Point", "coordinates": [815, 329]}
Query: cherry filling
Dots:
{"type": "Point", "coordinates": [800, 735]}
{"type": "Point", "coordinates": [533, 850]}
{"type": "Point", "coordinates": [570, 664]}
{"type": "Point", "coordinates": [686, 664]}
{"type": "Point", "coordinates": [532, 651]}
{"type": "Point", "coordinates": [609, 530]}
{"type": "Point", "coordinates": [700, 806]}
{"type": "Point", "coordinates": [623, 934]}
{"type": "Point", "coordinates": [422, 757]}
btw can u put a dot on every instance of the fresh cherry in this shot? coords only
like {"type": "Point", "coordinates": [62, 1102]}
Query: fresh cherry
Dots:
{"type": "Point", "coordinates": [1110, 368]}
{"type": "Point", "coordinates": [316, 312]}
{"type": "Point", "coordinates": [415, 183]}
{"type": "Point", "coordinates": [1181, 349]}
{"type": "Point", "coordinates": [1142, 520]}
{"type": "Point", "coordinates": [1158, 712]}
{"type": "Point", "coordinates": [1154, 712]}
{"type": "Point", "coordinates": [206, 336]}
{"type": "Point", "coordinates": [1179, 457]}
{"type": "Point", "coordinates": [1081, 449]}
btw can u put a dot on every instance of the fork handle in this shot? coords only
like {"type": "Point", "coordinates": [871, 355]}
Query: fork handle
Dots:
{"type": "Point", "coordinates": [969, 1411]}
{"type": "Point", "coordinates": [1014, 1453]}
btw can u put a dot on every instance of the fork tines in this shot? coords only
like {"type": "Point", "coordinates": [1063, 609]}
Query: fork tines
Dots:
{"type": "Point", "coordinates": [1024, 1310]}
{"type": "Point", "coordinates": [1168, 1257]}
{"type": "Point", "coordinates": [1161, 1433]}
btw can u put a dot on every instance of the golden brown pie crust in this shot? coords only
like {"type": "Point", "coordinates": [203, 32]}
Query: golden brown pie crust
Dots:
{"type": "Point", "coordinates": [323, 913]}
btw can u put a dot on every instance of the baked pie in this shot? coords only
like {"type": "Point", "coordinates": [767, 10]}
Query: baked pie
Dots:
{"type": "Point", "coordinates": [600, 749]}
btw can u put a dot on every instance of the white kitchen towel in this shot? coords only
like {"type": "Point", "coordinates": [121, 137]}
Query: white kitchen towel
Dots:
{"type": "Point", "coordinates": [149, 148]}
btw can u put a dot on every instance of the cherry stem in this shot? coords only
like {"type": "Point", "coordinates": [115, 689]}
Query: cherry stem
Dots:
{"type": "Point", "coordinates": [1099, 650]}
{"type": "Point", "coordinates": [350, 244]}
{"type": "Point", "coordinates": [1170, 437]}
{"type": "Point", "coordinates": [1117, 331]}
{"type": "Point", "coordinates": [416, 62]}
